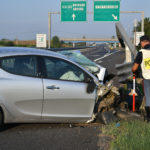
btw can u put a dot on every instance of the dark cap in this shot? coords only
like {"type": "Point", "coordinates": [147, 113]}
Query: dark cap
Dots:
{"type": "Point", "coordinates": [144, 38]}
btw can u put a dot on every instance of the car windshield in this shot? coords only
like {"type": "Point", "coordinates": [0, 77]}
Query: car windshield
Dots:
{"type": "Point", "coordinates": [82, 60]}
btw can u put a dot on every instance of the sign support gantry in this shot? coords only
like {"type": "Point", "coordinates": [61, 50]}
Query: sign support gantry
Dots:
{"type": "Point", "coordinates": [58, 13]}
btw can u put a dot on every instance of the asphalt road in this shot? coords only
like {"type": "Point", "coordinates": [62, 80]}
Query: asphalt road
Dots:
{"type": "Point", "coordinates": [107, 58]}
{"type": "Point", "coordinates": [60, 137]}
{"type": "Point", "coordinates": [48, 137]}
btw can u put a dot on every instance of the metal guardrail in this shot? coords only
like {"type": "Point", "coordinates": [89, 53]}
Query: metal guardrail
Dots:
{"type": "Point", "coordinates": [70, 48]}
{"type": "Point", "coordinates": [124, 70]}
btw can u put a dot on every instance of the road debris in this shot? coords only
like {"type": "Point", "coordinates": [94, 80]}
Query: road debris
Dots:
{"type": "Point", "coordinates": [115, 104]}
{"type": "Point", "coordinates": [108, 117]}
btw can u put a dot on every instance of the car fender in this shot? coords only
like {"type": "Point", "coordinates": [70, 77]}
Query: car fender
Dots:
{"type": "Point", "coordinates": [7, 115]}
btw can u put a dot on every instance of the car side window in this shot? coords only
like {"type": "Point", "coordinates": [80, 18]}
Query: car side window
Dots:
{"type": "Point", "coordinates": [62, 70]}
{"type": "Point", "coordinates": [20, 65]}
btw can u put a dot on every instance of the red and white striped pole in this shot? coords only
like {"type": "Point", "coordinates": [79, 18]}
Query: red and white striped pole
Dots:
{"type": "Point", "coordinates": [133, 93]}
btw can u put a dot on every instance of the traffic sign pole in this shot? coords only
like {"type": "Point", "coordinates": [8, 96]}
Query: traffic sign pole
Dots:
{"type": "Point", "coordinates": [49, 30]}
{"type": "Point", "coordinates": [49, 27]}
{"type": "Point", "coordinates": [52, 13]}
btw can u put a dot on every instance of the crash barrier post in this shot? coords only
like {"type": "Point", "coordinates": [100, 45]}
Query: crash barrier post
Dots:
{"type": "Point", "coordinates": [133, 93]}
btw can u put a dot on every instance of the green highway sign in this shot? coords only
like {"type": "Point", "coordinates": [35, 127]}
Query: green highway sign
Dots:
{"type": "Point", "coordinates": [106, 10]}
{"type": "Point", "coordinates": [73, 10]}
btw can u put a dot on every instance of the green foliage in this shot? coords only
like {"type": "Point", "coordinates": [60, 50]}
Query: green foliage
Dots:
{"type": "Point", "coordinates": [131, 135]}
{"type": "Point", "coordinates": [55, 43]}
{"type": "Point", "coordinates": [62, 42]}
{"type": "Point", "coordinates": [6, 43]}
{"type": "Point", "coordinates": [146, 26]}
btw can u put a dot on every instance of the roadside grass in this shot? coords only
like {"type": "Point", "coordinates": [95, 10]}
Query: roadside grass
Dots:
{"type": "Point", "coordinates": [128, 135]}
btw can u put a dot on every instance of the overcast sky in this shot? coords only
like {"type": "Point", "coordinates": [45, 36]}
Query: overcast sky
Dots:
{"type": "Point", "coordinates": [23, 19]}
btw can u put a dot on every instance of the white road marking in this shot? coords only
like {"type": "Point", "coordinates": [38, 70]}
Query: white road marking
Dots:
{"type": "Point", "coordinates": [106, 55]}
{"type": "Point", "coordinates": [99, 61]}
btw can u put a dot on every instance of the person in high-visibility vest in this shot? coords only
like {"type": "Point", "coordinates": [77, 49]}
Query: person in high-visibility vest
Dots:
{"type": "Point", "coordinates": [143, 60]}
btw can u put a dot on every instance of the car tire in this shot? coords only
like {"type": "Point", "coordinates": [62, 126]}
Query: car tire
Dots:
{"type": "Point", "coordinates": [1, 119]}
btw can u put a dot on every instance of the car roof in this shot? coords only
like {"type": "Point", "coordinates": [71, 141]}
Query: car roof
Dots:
{"type": "Point", "coordinates": [13, 51]}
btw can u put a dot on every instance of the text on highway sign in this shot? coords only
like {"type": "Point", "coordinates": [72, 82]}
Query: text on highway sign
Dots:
{"type": "Point", "coordinates": [41, 41]}
{"type": "Point", "coordinates": [73, 10]}
{"type": "Point", "coordinates": [106, 10]}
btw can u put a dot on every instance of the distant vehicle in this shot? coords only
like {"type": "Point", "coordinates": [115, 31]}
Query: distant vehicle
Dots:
{"type": "Point", "coordinates": [44, 86]}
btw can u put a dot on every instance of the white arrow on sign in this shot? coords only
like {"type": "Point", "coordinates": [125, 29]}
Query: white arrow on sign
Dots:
{"type": "Point", "coordinates": [115, 17]}
{"type": "Point", "coordinates": [73, 16]}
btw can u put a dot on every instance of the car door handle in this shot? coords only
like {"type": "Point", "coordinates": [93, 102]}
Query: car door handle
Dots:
{"type": "Point", "coordinates": [52, 87]}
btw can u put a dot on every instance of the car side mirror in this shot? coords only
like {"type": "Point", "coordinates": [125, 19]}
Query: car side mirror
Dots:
{"type": "Point", "coordinates": [87, 79]}
{"type": "Point", "coordinates": [91, 86]}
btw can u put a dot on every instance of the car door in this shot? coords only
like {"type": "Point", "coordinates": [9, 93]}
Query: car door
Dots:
{"type": "Point", "coordinates": [65, 96]}
{"type": "Point", "coordinates": [21, 89]}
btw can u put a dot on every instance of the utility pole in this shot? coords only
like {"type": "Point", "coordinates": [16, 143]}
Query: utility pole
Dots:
{"type": "Point", "coordinates": [135, 26]}
{"type": "Point", "coordinates": [49, 30]}
{"type": "Point", "coordinates": [142, 21]}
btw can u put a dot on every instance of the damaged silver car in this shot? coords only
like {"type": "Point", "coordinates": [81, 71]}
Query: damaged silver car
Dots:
{"type": "Point", "coordinates": [44, 86]}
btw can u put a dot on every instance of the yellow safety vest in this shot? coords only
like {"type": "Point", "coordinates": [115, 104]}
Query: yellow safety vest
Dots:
{"type": "Point", "coordinates": [145, 65]}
